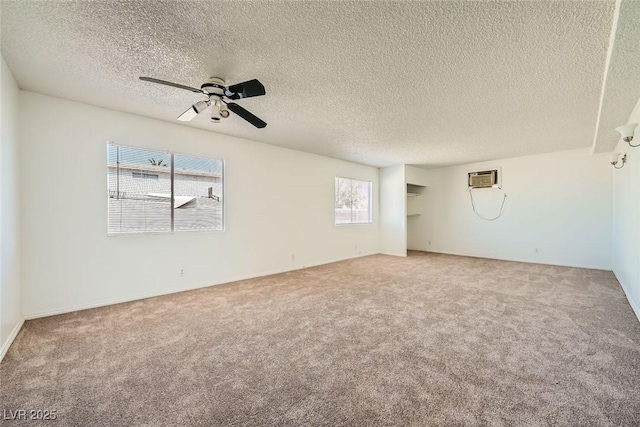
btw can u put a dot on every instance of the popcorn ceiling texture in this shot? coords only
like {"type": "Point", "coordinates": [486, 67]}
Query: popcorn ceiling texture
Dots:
{"type": "Point", "coordinates": [427, 83]}
{"type": "Point", "coordinates": [622, 87]}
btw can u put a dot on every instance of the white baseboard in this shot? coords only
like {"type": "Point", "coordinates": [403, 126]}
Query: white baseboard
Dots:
{"type": "Point", "coordinates": [632, 303]}
{"type": "Point", "coordinates": [173, 290]}
{"type": "Point", "coordinates": [392, 254]}
{"type": "Point", "coordinates": [139, 296]}
{"type": "Point", "coordinates": [12, 336]}
{"type": "Point", "coordinates": [526, 261]}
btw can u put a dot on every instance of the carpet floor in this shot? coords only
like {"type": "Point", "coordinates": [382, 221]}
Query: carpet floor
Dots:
{"type": "Point", "coordinates": [425, 340]}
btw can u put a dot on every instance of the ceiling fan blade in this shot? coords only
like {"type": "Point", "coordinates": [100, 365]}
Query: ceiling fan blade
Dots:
{"type": "Point", "coordinates": [245, 90]}
{"type": "Point", "coordinates": [193, 111]}
{"type": "Point", "coordinates": [254, 120]}
{"type": "Point", "coordinates": [166, 83]}
{"type": "Point", "coordinates": [187, 115]}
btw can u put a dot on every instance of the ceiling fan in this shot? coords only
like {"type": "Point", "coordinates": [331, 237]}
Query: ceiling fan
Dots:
{"type": "Point", "coordinates": [215, 91]}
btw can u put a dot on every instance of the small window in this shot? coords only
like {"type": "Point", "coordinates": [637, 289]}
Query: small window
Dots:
{"type": "Point", "coordinates": [353, 201]}
{"type": "Point", "coordinates": [157, 191]}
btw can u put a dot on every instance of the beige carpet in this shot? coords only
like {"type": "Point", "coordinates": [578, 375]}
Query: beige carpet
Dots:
{"type": "Point", "coordinates": [424, 340]}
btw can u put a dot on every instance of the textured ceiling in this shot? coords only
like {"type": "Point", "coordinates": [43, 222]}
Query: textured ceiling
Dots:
{"type": "Point", "coordinates": [622, 83]}
{"type": "Point", "coordinates": [381, 83]}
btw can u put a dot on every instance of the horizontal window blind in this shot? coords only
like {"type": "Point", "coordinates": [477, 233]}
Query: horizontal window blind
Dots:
{"type": "Point", "coordinates": [133, 208]}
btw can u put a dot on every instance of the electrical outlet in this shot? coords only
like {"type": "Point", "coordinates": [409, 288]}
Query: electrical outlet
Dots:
{"type": "Point", "coordinates": [293, 257]}
{"type": "Point", "coordinates": [536, 250]}
{"type": "Point", "coordinates": [181, 272]}
{"type": "Point", "coordinates": [356, 247]}
{"type": "Point", "coordinates": [429, 241]}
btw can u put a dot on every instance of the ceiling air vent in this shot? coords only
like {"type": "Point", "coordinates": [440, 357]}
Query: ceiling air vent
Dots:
{"type": "Point", "coordinates": [483, 179]}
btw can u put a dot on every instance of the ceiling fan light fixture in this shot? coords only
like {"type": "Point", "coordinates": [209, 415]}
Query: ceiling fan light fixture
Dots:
{"type": "Point", "coordinates": [200, 106]}
{"type": "Point", "coordinates": [193, 111]}
{"type": "Point", "coordinates": [216, 105]}
{"type": "Point", "coordinates": [215, 113]}
{"type": "Point", "coordinates": [224, 112]}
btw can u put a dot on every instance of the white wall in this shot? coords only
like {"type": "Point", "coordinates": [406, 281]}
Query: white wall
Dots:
{"type": "Point", "coordinates": [10, 291]}
{"type": "Point", "coordinates": [626, 219]}
{"type": "Point", "coordinates": [279, 203]}
{"type": "Point", "coordinates": [393, 219]}
{"type": "Point", "coordinates": [559, 203]}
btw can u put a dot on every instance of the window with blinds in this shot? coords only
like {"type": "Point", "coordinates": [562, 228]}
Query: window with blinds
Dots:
{"type": "Point", "coordinates": [353, 201]}
{"type": "Point", "coordinates": [159, 191]}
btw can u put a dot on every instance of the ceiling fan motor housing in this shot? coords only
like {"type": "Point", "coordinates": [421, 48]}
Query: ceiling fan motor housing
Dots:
{"type": "Point", "coordinates": [215, 86]}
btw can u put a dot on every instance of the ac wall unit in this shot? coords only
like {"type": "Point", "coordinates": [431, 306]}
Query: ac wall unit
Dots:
{"type": "Point", "coordinates": [484, 179]}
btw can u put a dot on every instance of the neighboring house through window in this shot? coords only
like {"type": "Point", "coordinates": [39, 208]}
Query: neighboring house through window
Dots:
{"type": "Point", "coordinates": [144, 175]}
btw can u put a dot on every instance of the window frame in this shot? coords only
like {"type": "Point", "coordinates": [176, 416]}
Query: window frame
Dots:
{"type": "Point", "coordinates": [173, 230]}
{"type": "Point", "coordinates": [370, 204]}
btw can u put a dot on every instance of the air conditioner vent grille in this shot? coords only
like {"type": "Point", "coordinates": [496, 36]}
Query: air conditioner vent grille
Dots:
{"type": "Point", "coordinates": [483, 179]}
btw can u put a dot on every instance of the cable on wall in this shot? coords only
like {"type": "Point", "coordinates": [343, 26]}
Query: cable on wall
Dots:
{"type": "Point", "coordinates": [473, 205]}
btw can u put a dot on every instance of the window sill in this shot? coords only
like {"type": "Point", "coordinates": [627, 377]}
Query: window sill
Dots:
{"type": "Point", "coordinates": [155, 233]}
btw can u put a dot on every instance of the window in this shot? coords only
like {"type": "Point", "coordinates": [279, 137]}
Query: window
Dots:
{"type": "Point", "coordinates": [353, 201]}
{"type": "Point", "coordinates": [158, 191]}
{"type": "Point", "coordinates": [144, 175]}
